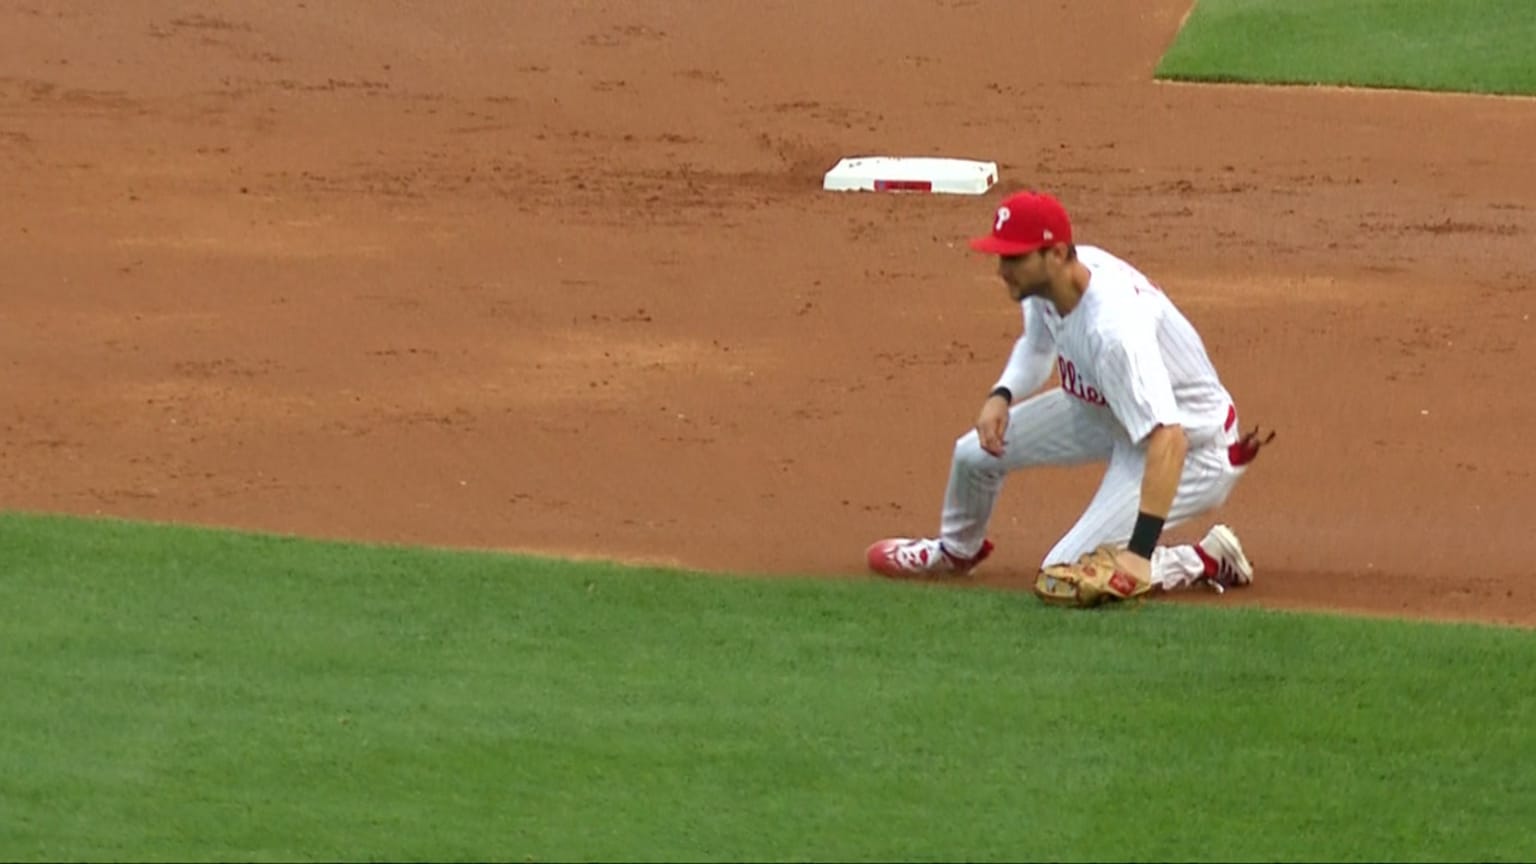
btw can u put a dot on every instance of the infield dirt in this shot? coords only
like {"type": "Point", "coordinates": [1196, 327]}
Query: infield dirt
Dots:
{"type": "Point", "coordinates": [560, 277]}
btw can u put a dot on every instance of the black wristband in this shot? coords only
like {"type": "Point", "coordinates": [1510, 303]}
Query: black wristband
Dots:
{"type": "Point", "coordinates": [1003, 392]}
{"type": "Point", "coordinates": [1144, 538]}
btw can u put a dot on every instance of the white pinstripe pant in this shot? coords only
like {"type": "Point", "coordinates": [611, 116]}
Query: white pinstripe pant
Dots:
{"type": "Point", "coordinates": [1054, 428]}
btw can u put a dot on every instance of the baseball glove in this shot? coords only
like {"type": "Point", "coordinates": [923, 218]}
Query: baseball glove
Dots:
{"type": "Point", "coordinates": [1088, 581]}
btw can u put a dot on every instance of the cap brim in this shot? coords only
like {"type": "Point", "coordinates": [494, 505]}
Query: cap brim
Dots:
{"type": "Point", "coordinates": [996, 246]}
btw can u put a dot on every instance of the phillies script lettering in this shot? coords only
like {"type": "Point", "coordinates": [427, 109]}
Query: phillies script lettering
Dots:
{"type": "Point", "coordinates": [1075, 385]}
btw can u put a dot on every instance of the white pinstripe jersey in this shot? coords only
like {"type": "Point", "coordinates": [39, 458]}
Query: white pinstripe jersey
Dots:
{"type": "Point", "coordinates": [1126, 350]}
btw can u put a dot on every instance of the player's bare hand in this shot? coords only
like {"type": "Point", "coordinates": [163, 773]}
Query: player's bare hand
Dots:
{"type": "Point", "coordinates": [992, 425]}
{"type": "Point", "coordinates": [1135, 565]}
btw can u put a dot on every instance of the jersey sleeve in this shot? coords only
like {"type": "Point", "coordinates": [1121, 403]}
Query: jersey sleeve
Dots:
{"type": "Point", "coordinates": [1033, 355]}
{"type": "Point", "coordinates": [1136, 382]}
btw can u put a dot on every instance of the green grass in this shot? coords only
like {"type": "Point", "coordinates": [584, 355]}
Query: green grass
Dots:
{"type": "Point", "coordinates": [1479, 46]}
{"type": "Point", "coordinates": [176, 694]}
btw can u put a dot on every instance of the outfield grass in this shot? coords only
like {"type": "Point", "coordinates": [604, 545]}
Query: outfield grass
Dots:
{"type": "Point", "coordinates": [1479, 46]}
{"type": "Point", "coordinates": [192, 695]}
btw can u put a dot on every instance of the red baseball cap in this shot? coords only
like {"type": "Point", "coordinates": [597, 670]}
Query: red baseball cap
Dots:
{"type": "Point", "coordinates": [1024, 222]}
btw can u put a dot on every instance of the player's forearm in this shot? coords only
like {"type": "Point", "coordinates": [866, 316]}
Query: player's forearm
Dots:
{"type": "Point", "coordinates": [1026, 370]}
{"type": "Point", "coordinates": [1166, 448]}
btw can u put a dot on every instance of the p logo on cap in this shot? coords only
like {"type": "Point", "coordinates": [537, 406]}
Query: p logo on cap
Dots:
{"type": "Point", "coordinates": [1026, 221]}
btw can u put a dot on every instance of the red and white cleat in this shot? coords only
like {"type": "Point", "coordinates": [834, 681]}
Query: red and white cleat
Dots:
{"type": "Point", "coordinates": [1224, 553]}
{"type": "Point", "coordinates": [900, 558]}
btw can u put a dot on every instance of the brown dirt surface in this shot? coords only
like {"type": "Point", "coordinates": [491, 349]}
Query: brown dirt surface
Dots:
{"type": "Point", "coordinates": [560, 277]}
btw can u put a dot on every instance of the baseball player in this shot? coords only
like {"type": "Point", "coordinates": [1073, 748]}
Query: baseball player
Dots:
{"type": "Point", "coordinates": [1138, 392]}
